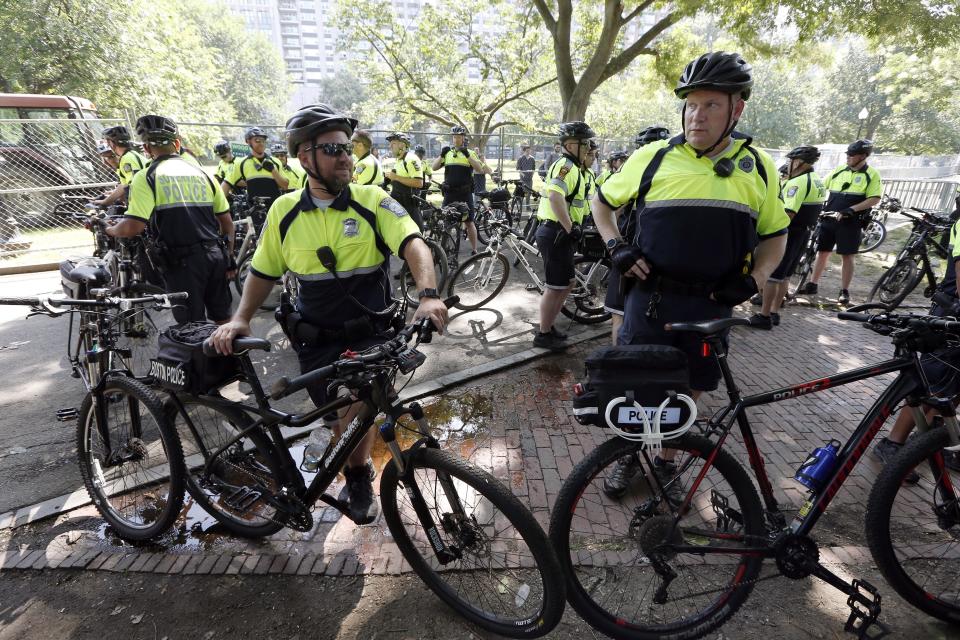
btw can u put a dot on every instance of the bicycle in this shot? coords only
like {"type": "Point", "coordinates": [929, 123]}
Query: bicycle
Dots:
{"type": "Point", "coordinates": [913, 262]}
{"type": "Point", "coordinates": [126, 446]}
{"type": "Point", "coordinates": [522, 192]}
{"type": "Point", "coordinates": [483, 276]}
{"type": "Point", "coordinates": [681, 568]}
{"type": "Point", "coordinates": [245, 476]}
{"type": "Point", "coordinates": [876, 230]}
{"type": "Point", "coordinates": [804, 267]}
{"type": "Point", "coordinates": [444, 227]}
{"type": "Point", "coordinates": [247, 228]}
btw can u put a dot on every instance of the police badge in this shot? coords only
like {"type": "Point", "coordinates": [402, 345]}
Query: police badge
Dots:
{"type": "Point", "coordinates": [350, 228]}
{"type": "Point", "coordinates": [792, 191]}
{"type": "Point", "coordinates": [393, 207]}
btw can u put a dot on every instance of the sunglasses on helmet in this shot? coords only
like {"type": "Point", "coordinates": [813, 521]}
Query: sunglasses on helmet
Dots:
{"type": "Point", "coordinates": [333, 149]}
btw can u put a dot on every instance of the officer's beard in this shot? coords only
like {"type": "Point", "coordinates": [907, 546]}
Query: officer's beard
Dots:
{"type": "Point", "coordinates": [330, 183]}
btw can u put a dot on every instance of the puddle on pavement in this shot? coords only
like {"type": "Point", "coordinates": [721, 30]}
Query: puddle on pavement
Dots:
{"type": "Point", "coordinates": [460, 422]}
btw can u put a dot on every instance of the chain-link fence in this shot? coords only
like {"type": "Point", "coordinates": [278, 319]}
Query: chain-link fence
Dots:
{"type": "Point", "coordinates": [48, 168]}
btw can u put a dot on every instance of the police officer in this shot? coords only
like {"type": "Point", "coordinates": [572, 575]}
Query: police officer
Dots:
{"type": "Point", "coordinates": [421, 152]}
{"type": "Point", "coordinates": [360, 226]}
{"type": "Point", "coordinates": [803, 195]}
{"type": "Point", "coordinates": [107, 155]}
{"type": "Point", "coordinates": [296, 177]}
{"type": "Point", "coordinates": [257, 172]}
{"type": "Point", "coordinates": [559, 233]}
{"type": "Point", "coordinates": [710, 228]}
{"type": "Point", "coordinates": [129, 162]}
{"type": "Point", "coordinates": [588, 169]}
{"type": "Point", "coordinates": [614, 161]}
{"type": "Point", "coordinates": [855, 189]}
{"type": "Point", "coordinates": [406, 177]}
{"type": "Point", "coordinates": [366, 166]}
{"type": "Point", "coordinates": [224, 152]}
{"type": "Point", "coordinates": [189, 219]}
{"type": "Point", "coordinates": [458, 165]}
{"type": "Point", "coordinates": [651, 134]}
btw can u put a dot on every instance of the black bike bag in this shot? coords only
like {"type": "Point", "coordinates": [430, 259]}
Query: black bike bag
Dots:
{"type": "Point", "coordinates": [181, 365]}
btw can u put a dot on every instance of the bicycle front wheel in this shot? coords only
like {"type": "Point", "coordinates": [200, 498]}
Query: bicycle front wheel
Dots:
{"type": "Point", "coordinates": [625, 575]}
{"type": "Point", "coordinates": [235, 486]}
{"type": "Point", "coordinates": [479, 279]}
{"type": "Point", "coordinates": [408, 285]}
{"type": "Point", "coordinates": [130, 459]}
{"type": "Point", "coordinates": [585, 302]}
{"type": "Point", "coordinates": [913, 528]}
{"type": "Point", "coordinates": [896, 283]}
{"type": "Point", "coordinates": [502, 574]}
{"type": "Point", "coordinates": [872, 237]}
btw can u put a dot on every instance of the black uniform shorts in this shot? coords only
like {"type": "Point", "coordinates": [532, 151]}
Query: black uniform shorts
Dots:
{"type": "Point", "coordinates": [637, 328]}
{"type": "Point", "coordinates": [203, 275]}
{"type": "Point", "coordinates": [797, 238]}
{"type": "Point", "coordinates": [311, 358]}
{"type": "Point", "coordinates": [556, 249]}
{"type": "Point", "coordinates": [942, 367]}
{"type": "Point", "coordinates": [843, 234]}
{"type": "Point", "coordinates": [613, 302]}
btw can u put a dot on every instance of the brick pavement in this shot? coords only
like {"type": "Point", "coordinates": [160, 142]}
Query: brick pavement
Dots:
{"type": "Point", "coordinates": [518, 425]}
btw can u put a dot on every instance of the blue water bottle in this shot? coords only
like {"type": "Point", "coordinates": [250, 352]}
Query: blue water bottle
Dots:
{"type": "Point", "coordinates": [818, 467]}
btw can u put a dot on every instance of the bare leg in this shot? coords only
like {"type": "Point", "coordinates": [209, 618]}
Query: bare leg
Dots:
{"type": "Point", "coordinates": [472, 234]}
{"type": "Point", "coordinates": [846, 270]}
{"type": "Point", "coordinates": [361, 454]}
{"type": "Point", "coordinates": [770, 295]}
{"type": "Point", "coordinates": [550, 304]}
{"type": "Point", "coordinates": [617, 321]}
{"type": "Point", "coordinates": [780, 296]}
{"type": "Point", "coordinates": [820, 265]}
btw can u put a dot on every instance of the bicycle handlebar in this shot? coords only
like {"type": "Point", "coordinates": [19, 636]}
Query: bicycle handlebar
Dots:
{"type": "Point", "coordinates": [903, 321]}
{"type": "Point", "coordinates": [52, 304]}
{"type": "Point", "coordinates": [392, 349]}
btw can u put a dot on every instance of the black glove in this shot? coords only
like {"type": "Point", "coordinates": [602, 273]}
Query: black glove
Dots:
{"type": "Point", "coordinates": [847, 214]}
{"type": "Point", "coordinates": [735, 290]}
{"type": "Point", "coordinates": [232, 264]}
{"type": "Point", "coordinates": [576, 232]}
{"type": "Point", "coordinates": [268, 164]}
{"type": "Point", "coordinates": [464, 151]}
{"type": "Point", "coordinates": [624, 256]}
{"type": "Point", "coordinates": [444, 151]}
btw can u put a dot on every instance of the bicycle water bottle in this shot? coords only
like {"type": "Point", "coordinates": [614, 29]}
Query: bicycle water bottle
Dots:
{"type": "Point", "coordinates": [316, 448]}
{"type": "Point", "coordinates": [819, 465]}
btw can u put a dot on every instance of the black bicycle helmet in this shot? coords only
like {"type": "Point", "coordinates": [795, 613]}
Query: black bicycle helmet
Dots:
{"type": "Point", "coordinates": [221, 148]}
{"type": "Point", "coordinates": [617, 155]}
{"type": "Point", "coordinates": [805, 153]}
{"type": "Point", "coordinates": [575, 131]}
{"type": "Point", "coordinates": [860, 146]}
{"type": "Point", "coordinates": [458, 130]}
{"type": "Point", "coordinates": [154, 129]}
{"type": "Point", "coordinates": [717, 70]}
{"type": "Point", "coordinates": [651, 134]}
{"type": "Point", "coordinates": [313, 119]}
{"type": "Point", "coordinates": [398, 135]}
{"type": "Point", "coordinates": [420, 150]}
{"type": "Point", "coordinates": [253, 132]}
{"type": "Point", "coordinates": [278, 147]}
{"type": "Point", "coordinates": [119, 134]}
{"type": "Point", "coordinates": [784, 169]}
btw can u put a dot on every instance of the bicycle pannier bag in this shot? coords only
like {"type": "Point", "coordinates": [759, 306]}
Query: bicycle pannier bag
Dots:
{"type": "Point", "coordinates": [643, 374]}
{"type": "Point", "coordinates": [181, 365]}
{"type": "Point", "coordinates": [499, 198]}
{"type": "Point", "coordinates": [592, 245]}
{"type": "Point", "coordinates": [79, 275]}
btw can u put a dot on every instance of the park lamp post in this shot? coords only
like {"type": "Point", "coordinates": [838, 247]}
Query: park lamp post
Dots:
{"type": "Point", "coordinates": [862, 117]}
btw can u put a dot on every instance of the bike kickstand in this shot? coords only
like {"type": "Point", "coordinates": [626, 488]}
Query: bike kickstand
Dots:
{"type": "Point", "coordinates": [864, 601]}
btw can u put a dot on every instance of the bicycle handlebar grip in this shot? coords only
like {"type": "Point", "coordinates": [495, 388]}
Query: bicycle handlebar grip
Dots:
{"type": "Point", "coordinates": [856, 317]}
{"type": "Point", "coordinates": [20, 301]}
{"type": "Point", "coordinates": [179, 295]}
{"type": "Point", "coordinates": [285, 386]}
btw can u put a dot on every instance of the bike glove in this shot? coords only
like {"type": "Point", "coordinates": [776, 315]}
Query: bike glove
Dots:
{"type": "Point", "coordinates": [444, 151]}
{"type": "Point", "coordinates": [735, 290]}
{"type": "Point", "coordinates": [268, 165]}
{"type": "Point", "coordinates": [576, 232]}
{"type": "Point", "coordinates": [624, 256]}
{"type": "Point", "coordinates": [847, 214]}
{"type": "Point", "coordinates": [232, 264]}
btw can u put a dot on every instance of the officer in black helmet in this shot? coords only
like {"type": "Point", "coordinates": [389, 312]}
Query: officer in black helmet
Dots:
{"type": "Point", "coordinates": [651, 134]}
{"type": "Point", "coordinates": [224, 152]}
{"type": "Point", "coordinates": [258, 172]}
{"type": "Point", "coordinates": [189, 220]}
{"type": "Point", "coordinates": [406, 177]}
{"type": "Point", "coordinates": [710, 229]}
{"type": "Point", "coordinates": [129, 162]}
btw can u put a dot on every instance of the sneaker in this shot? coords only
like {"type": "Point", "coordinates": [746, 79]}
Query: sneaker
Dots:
{"type": "Point", "coordinates": [358, 493]}
{"type": "Point", "coordinates": [809, 289]}
{"type": "Point", "coordinates": [844, 296]}
{"type": "Point", "coordinates": [531, 287]}
{"type": "Point", "coordinates": [618, 481]}
{"type": "Point", "coordinates": [952, 460]}
{"type": "Point", "coordinates": [885, 450]}
{"type": "Point", "coordinates": [549, 341]}
{"type": "Point", "coordinates": [554, 332]}
{"type": "Point", "coordinates": [757, 299]}
{"type": "Point", "coordinates": [775, 318]}
{"type": "Point", "coordinates": [666, 474]}
{"type": "Point", "coordinates": [760, 321]}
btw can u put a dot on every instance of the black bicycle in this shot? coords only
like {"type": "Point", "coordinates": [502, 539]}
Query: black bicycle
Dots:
{"type": "Point", "coordinates": [675, 558]}
{"type": "Point", "coordinates": [129, 454]}
{"type": "Point", "coordinates": [913, 265]}
{"type": "Point", "coordinates": [464, 533]}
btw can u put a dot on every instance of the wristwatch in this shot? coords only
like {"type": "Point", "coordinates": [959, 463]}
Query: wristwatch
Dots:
{"type": "Point", "coordinates": [428, 293]}
{"type": "Point", "coordinates": [613, 243]}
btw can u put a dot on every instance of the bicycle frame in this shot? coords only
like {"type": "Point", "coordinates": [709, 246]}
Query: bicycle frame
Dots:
{"type": "Point", "coordinates": [249, 239]}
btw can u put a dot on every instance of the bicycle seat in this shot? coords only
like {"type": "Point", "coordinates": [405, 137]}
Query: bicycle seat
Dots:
{"type": "Point", "coordinates": [707, 327]}
{"type": "Point", "coordinates": [92, 273]}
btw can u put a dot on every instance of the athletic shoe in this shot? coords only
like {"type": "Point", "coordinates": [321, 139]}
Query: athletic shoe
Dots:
{"type": "Point", "coordinates": [549, 341]}
{"type": "Point", "coordinates": [358, 493]}
{"type": "Point", "coordinates": [885, 450]}
{"type": "Point", "coordinates": [760, 321]}
{"type": "Point", "coordinates": [809, 289]}
{"type": "Point", "coordinates": [666, 473]}
{"type": "Point", "coordinates": [618, 481]}
{"type": "Point", "coordinates": [844, 296]}
{"type": "Point", "coordinates": [554, 332]}
{"type": "Point", "coordinates": [757, 299]}
{"type": "Point", "coordinates": [775, 317]}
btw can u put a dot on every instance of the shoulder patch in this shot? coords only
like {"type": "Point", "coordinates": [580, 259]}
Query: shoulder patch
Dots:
{"type": "Point", "coordinates": [393, 207]}
{"type": "Point", "coordinates": [792, 191]}
{"type": "Point", "coordinates": [564, 170]}
{"type": "Point", "coordinates": [746, 163]}
{"type": "Point", "coordinates": [127, 166]}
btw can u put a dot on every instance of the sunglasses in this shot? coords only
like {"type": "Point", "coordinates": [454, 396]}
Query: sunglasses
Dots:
{"type": "Point", "coordinates": [333, 149]}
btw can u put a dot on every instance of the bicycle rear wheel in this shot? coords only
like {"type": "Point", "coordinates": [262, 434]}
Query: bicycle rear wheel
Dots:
{"type": "Point", "coordinates": [479, 279]}
{"type": "Point", "coordinates": [914, 529]}
{"type": "Point", "coordinates": [408, 285]}
{"type": "Point", "coordinates": [872, 237]}
{"type": "Point", "coordinates": [585, 302]}
{"type": "Point", "coordinates": [238, 483]}
{"type": "Point", "coordinates": [896, 283]}
{"type": "Point", "coordinates": [131, 461]}
{"type": "Point", "coordinates": [503, 575]}
{"type": "Point", "coordinates": [615, 552]}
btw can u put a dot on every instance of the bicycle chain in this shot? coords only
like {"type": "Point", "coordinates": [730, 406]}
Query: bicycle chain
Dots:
{"type": "Point", "coordinates": [266, 482]}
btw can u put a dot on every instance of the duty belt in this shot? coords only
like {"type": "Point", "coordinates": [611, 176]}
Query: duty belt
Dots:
{"type": "Point", "coordinates": [309, 334]}
{"type": "Point", "coordinates": [657, 285]}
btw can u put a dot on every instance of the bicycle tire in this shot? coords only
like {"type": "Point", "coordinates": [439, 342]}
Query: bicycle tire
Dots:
{"type": "Point", "coordinates": [896, 283]}
{"type": "Point", "coordinates": [585, 303]}
{"type": "Point", "coordinates": [932, 544]}
{"type": "Point", "coordinates": [138, 509]}
{"type": "Point", "coordinates": [873, 236]}
{"type": "Point", "coordinates": [451, 247]}
{"type": "Point", "coordinates": [251, 465]}
{"type": "Point", "coordinates": [802, 271]}
{"type": "Point", "coordinates": [138, 333]}
{"type": "Point", "coordinates": [408, 286]}
{"type": "Point", "coordinates": [520, 527]}
{"type": "Point", "coordinates": [243, 268]}
{"type": "Point", "coordinates": [594, 552]}
{"type": "Point", "coordinates": [472, 284]}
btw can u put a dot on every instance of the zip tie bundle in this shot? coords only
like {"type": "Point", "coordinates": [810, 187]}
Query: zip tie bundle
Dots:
{"type": "Point", "coordinates": [651, 435]}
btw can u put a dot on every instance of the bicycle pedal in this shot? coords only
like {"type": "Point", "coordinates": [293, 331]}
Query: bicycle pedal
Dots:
{"type": "Point", "coordinates": [864, 606]}
{"type": "Point", "coordinates": [242, 499]}
{"type": "Point", "coordinates": [67, 415]}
